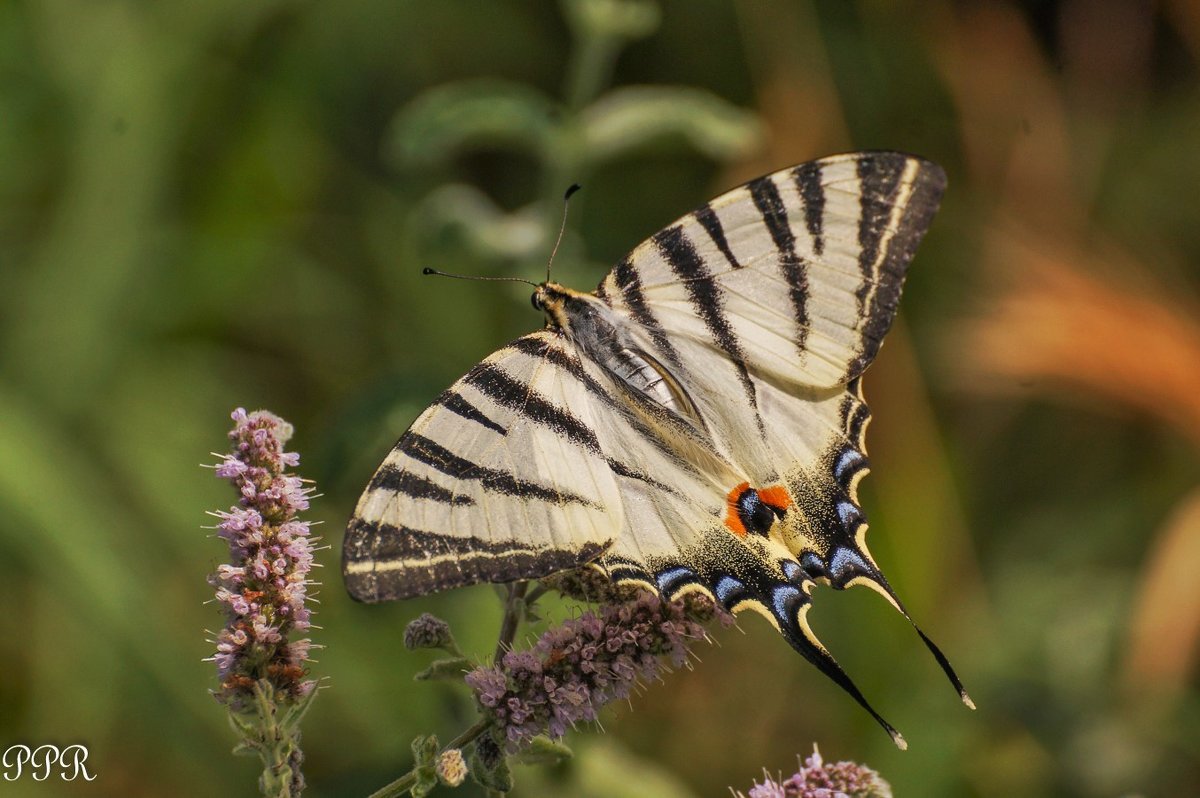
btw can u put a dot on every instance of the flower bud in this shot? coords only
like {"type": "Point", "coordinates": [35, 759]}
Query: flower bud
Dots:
{"type": "Point", "coordinates": [451, 767]}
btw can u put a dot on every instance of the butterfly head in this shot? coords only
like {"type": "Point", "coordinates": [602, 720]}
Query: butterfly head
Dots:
{"type": "Point", "coordinates": [558, 302]}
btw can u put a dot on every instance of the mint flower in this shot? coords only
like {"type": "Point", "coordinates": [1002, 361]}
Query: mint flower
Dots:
{"type": "Point", "coordinates": [451, 767]}
{"type": "Point", "coordinates": [264, 587]}
{"type": "Point", "coordinates": [815, 779]}
{"type": "Point", "coordinates": [575, 669]}
{"type": "Point", "coordinates": [263, 590]}
{"type": "Point", "coordinates": [429, 631]}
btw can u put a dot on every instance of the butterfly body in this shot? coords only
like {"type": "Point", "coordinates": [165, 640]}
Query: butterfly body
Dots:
{"type": "Point", "coordinates": [696, 423]}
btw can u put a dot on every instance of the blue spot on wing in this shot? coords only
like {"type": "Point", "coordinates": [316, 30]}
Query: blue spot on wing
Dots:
{"type": "Point", "coordinates": [850, 459]}
{"type": "Point", "coordinates": [783, 599]}
{"type": "Point", "coordinates": [813, 566]}
{"type": "Point", "coordinates": [846, 562]}
{"type": "Point", "coordinates": [849, 514]}
{"type": "Point", "coordinates": [727, 589]}
{"type": "Point", "coordinates": [670, 578]}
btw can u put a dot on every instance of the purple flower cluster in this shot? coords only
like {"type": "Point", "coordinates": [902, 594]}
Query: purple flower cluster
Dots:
{"type": "Point", "coordinates": [264, 586]}
{"type": "Point", "coordinates": [815, 779]}
{"type": "Point", "coordinates": [578, 667]}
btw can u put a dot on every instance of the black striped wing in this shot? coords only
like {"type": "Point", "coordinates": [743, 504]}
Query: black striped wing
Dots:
{"type": "Point", "coordinates": [766, 305]}
{"type": "Point", "coordinates": [502, 478]}
{"type": "Point", "coordinates": [795, 276]}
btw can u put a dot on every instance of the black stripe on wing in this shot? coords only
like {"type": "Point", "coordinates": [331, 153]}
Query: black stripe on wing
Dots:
{"type": "Point", "coordinates": [455, 403]}
{"type": "Point", "coordinates": [441, 459]}
{"type": "Point", "coordinates": [883, 264]}
{"type": "Point", "coordinates": [768, 202]}
{"type": "Point", "coordinates": [711, 223]}
{"type": "Point", "coordinates": [812, 191]}
{"type": "Point", "coordinates": [537, 346]}
{"type": "Point", "coordinates": [705, 295]}
{"type": "Point", "coordinates": [382, 562]}
{"type": "Point", "coordinates": [879, 178]}
{"type": "Point", "coordinates": [855, 417]}
{"type": "Point", "coordinates": [520, 397]}
{"type": "Point", "coordinates": [394, 479]}
{"type": "Point", "coordinates": [626, 278]}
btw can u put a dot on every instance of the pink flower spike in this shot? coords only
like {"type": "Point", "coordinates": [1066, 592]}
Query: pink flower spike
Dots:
{"type": "Point", "coordinates": [262, 586]}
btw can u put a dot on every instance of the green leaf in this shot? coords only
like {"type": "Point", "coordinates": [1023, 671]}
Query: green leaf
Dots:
{"type": "Point", "coordinates": [488, 765]}
{"type": "Point", "coordinates": [295, 712]}
{"type": "Point", "coordinates": [448, 120]}
{"type": "Point", "coordinates": [544, 751]}
{"type": "Point", "coordinates": [451, 668]}
{"type": "Point", "coordinates": [630, 118]}
{"type": "Point", "coordinates": [425, 751]}
{"type": "Point", "coordinates": [461, 215]}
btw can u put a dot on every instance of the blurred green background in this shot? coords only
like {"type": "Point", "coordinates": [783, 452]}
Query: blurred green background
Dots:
{"type": "Point", "coordinates": [206, 205]}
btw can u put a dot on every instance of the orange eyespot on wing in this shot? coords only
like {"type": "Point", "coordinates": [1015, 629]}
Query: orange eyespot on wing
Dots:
{"type": "Point", "coordinates": [733, 518]}
{"type": "Point", "coordinates": [776, 496]}
{"type": "Point", "coordinates": [748, 510]}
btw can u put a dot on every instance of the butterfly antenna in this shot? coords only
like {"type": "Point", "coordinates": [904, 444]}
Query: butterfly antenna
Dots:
{"type": "Point", "coordinates": [563, 226]}
{"type": "Point", "coordinates": [428, 270]}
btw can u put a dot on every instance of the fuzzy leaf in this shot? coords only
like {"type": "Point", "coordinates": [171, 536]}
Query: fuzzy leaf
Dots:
{"type": "Point", "coordinates": [447, 120]}
{"type": "Point", "coordinates": [489, 766]}
{"type": "Point", "coordinates": [629, 118]}
{"type": "Point", "coordinates": [544, 751]}
{"type": "Point", "coordinates": [425, 751]}
{"type": "Point", "coordinates": [451, 668]}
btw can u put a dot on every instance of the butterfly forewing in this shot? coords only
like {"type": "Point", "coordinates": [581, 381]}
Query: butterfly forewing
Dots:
{"type": "Point", "coordinates": [501, 479]}
{"type": "Point", "coordinates": [799, 270]}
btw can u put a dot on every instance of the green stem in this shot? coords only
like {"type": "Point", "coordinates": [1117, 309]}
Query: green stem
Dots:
{"type": "Point", "coordinates": [532, 596]}
{"type": "Point", "coordinates": [272, 732]}
{"type": "Point", "coordinates": [508, 627]}
{"type": "Point", "coordinates": [406, 782]}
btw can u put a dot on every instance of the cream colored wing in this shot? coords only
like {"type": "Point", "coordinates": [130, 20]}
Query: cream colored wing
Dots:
{"type": "Point", "coordinates": [763, 308]}
{"type": "Point", "coordinates": [502, 478]}
{"type": "Point", "coordinates": [794, 276]}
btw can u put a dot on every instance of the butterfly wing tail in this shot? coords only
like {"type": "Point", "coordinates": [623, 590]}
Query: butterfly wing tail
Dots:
{"type": "Point", "coordinates": [856, 567]}
{"type": "Point", "coordinates": [790, 608]}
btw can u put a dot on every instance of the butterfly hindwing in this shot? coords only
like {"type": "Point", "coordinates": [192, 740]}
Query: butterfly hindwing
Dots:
{"type": "Point", "coordinates": [765, 305]}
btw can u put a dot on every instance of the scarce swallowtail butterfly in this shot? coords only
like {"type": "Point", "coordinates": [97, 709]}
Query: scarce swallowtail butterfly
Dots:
{"type": "Point", "coordinates": [695, 423]}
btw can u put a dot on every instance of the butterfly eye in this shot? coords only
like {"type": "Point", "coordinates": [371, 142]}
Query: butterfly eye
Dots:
{"type": "Point", "coordinates": [533, 300]}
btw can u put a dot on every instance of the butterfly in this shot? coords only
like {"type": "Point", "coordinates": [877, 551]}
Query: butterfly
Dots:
{"type": "Point", "coordinates": [695, 423]}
